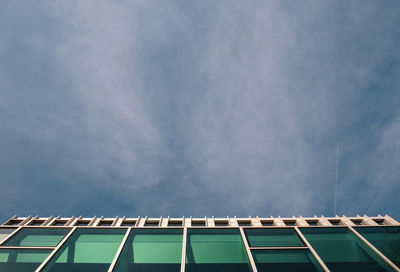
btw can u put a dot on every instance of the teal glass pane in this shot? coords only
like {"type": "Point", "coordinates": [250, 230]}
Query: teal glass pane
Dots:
{"type": "Point", "coordinates": [286, 260]}
{"type": "Point", "coordinates": [385, 239]}
{"type": "Point", "coordinates": [341, 250]}
{"type": "Point", "coordinates": [87, 250]}
{"type": "Point", "coordinates": [151, 250]}
{"type": "Point", "coordinates": [216, 250]}
{"type": "Point", "coordinates": [37, 237]}
{"type": "Point", "coordinates": [273, 238]}
{"type": "Point", "coordinates": [4, 233]}
{"type": "Point", "coordinates": [21, 260]}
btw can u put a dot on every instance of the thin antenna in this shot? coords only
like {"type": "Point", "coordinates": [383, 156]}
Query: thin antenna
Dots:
{"type": "Point", "coordinates": [337, 168]}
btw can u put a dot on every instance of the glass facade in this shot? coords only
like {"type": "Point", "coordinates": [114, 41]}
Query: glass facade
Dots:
{"type": "Point", "coordinates": [151, 250]}
{"type": "Point", "coordinates": [216, 250]}
{"type": "Point", "coordinates": [21, 260]}
{"type": "Point", "coordinates": [45, 237]}
{"type": "Point", "coordinates": [299, 260]}
{"type": "Point", "coordinates": [175, 244]}
{"type": "Point", "coordinates": [341, 250]}
{"type": "Point", "coordinates": [273, 237]}
{"type": "Point", "coordinates": [87, 250]}
{"type": "Point", "coordinates": [386, 240]}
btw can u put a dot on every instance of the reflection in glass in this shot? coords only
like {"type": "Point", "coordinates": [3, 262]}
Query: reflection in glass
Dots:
{"type": "Point", "coordinates": [21, 260]}
{"type": "Point", "coordinates": [87, 250]}
{"type": "Point", "coordinates": [151, 250]}
{"type": "Point", "coordinates": [298, 260]}
{"type": "Point", "coordinates": [285, 237]}
{"type": "Point", "coordinates": [386, 240]}
{"type": "Point", "coordinates": [341, 250]}
{"type": "Point", "coordinates": [4, 233]}
{"type": "Point", "coordinates": [216, 250]}
{"type": "Point", "coordinates": [37, 237]}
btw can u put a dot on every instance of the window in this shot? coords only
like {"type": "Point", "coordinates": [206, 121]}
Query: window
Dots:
{"type": "Point", "coordinates": [36, 222]}
{"type": "Point", "coordinates": [87, 249]}
{"type": "Point", "coordinates": [130, 223]}
{"type": "Point", "coordinates": [335, 222]}
{"type": "Point", "coordinates": [199, 223]}
{"type": "Point", "coordinates": [271, 237]}
{"type": "Point", "coordinates": [175, 223]}
{"type": "Point", "coordinates": [357, 222]}
{"type": "Point", "coordinates": [286, 260]}
{"type": "Point", "coordinates": [267, 222]}
{"type": "Point", "coordinates": [21, 260]}
{"type": "Point", "coordinates": [385, 239]}
{"type": "Point", "coordinates": [379, 221]}
{"type": "Point", "coordinates": [343, 251]}
{"type": "Point", "coordinates": [151, 250]}
{"type": "Point", "coordinates": [37, 237]}
{"type": "Point", "coordinates": [151, 223]}
{"type": "Point", "coordinates": [221, 223]}
{"type": "Point", "coordinates": [59, 223]}
{"type": "Point", "coordinates": [215, 250]}
{"type": "Point", "coordinates": [244, 222]}
{"type": "Point", "coordinates": [105, 223]}
{"type": "Point", "coordinates": [312, 222]}
{"type": "Point", "coordinates": [82, 223]}
{"type": "Point", "coordinates": [289, 222]}
{"type": "Point", "coordinates": [14, 222]}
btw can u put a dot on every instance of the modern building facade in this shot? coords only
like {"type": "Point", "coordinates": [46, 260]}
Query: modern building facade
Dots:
{"type": "Point", "coordinates": [298, 244]}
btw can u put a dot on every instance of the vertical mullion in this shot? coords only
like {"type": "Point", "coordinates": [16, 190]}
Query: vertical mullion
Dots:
{"type": "Point", "coordinates": [246, 244]}
{"type": "Point", "coordinates": [118, 253]}
{"type": "Point", "coordinates": [55, 250]}
{"type": "Point", "coordinates": [183, 259]}
{"type": "Point", "coordinates": [319, 260]}
{"type": "Point", "coordinates": [10, 235]}
{"type": "Point", "coordinates": [374, 249]}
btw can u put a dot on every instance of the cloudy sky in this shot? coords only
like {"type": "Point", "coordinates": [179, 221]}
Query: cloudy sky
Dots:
{"type": "Point", "coordinates": [199, 108]}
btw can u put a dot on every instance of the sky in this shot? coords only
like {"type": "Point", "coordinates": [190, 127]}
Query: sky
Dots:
{"type": "Point", "coordinates": [199, 108]}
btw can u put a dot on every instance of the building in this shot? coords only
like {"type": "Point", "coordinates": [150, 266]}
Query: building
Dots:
{"type": "Point", "coordinates": [200, 244]}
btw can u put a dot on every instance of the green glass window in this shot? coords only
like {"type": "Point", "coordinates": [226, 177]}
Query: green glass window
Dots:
{"type": "Point", "coordinates": [215, 250]}
{"type": "Point", "coordinates": [298, 260]}
{"type": "Point", "coordinates": [342, 250]}
{"type": "Point", "coordinates": [4, 233]}
{"type": "Point", "coordinates": [151, 250]}
{"type": "Point", "coordinates": [87, 250]}
{"type": "Point", "coordinates": [21, 260]}
{"type": "Point", "coordinates": [37, 237]}
{"type": "Point", "coordinates": [385, 239]}
{"type": "Point", "coordinates": [286, 237]}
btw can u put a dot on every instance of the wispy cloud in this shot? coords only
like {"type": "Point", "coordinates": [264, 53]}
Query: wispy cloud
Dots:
{"type": "Point", "coordinates": [199, 107]}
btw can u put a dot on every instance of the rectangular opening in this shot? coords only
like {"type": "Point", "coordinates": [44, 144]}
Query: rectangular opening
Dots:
{"type": "Point", "coordinates": [357, 222]}
{"type": "Point", "coordinates": [14, 222]}
{"type": "Point", "coordinates": [221, 223]}
{"type": "Point", "coordinates": [82, 223]}
{"type": "Point", "coordinates": [151, 224]}
{"type": "Point", "coordinates": [59, 223]}
{"type": "Point", "coordinates": [175, 223]}
{"type": "Point", "coordinates": [312, 222]}
{"type": "Point", "coordinates": [379, 221]}
{"type": "Point", "coordinates": [290, 222]}
{"type": "Point", "coordinates": [244, 222]}
{"type": "Point", "coordinates": [130, 223]}
{"type": "Point", "coordinates": [199, 223]}
{"type": "Point", "coordinates": [335, 222]}
{"type": "Point", "coordinates": [267, 222]}
{"type": "Point", "coordinates": [36, 223]}
{"type": "Point", "coordinates": [106, 223]}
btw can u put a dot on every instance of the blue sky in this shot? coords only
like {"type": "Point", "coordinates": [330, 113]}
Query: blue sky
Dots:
{"type": "Point", "coordinates": [199, 108]}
